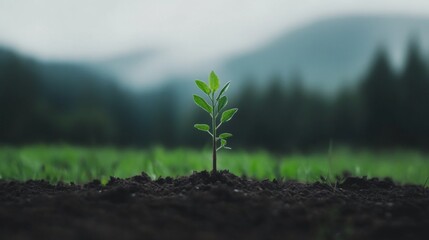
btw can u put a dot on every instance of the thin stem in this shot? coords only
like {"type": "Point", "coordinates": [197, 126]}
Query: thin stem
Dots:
{"type": "Point", "coordinates": [214, 133]}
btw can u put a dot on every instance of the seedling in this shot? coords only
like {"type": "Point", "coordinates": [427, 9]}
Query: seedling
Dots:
{"type": "Point", "coordinates": [216, 106]}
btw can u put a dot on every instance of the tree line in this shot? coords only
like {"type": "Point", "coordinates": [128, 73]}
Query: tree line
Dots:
{"type": "Point", "coordinates": [51, 103]}
{"type": "Point", "coordinates": [386, 109]}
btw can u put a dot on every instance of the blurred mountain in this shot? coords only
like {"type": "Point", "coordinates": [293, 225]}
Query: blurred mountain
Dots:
{"type": "Point", "coordinates": [332, 53]}
{"type": "Point", "coordinates": [325, 55]}
{"type": "Point", "coordinates": [129, 66]}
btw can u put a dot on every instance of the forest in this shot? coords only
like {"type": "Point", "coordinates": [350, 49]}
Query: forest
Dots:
{"type": "Point", "coordinates": [69, 103]}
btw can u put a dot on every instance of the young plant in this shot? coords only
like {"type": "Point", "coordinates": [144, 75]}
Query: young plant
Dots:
{"type": "Point", "coordinates": [216, 106]}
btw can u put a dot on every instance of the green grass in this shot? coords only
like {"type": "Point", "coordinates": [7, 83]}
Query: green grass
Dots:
{"type": "Point", "coordinates": [77, 164]}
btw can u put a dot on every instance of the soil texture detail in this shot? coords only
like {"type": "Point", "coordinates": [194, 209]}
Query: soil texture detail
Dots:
{"type": "Point", "coordinates": [213, 206]}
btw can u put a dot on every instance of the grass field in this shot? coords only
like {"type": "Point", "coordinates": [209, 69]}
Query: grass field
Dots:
{"type": "Point", "coordinates": [77, 164]}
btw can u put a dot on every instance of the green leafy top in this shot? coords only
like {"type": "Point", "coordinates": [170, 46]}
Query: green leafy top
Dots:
{"type": "Point", "coordinates": [214, 106]}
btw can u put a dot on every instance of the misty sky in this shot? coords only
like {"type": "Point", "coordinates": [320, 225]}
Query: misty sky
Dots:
{"type": "Point", "coordinates": [184, 32]}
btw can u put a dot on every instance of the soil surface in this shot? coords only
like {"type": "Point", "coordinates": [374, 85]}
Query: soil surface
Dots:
{"type": "Point", "coordinates": [220, 206]}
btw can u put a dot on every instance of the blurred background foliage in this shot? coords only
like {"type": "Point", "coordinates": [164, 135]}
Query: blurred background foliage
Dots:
{"type": "Point", "coordinates": [44, 102]}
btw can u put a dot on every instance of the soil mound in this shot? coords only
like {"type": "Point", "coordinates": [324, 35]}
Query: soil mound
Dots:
{"type": "Point", "coordinates": [213, 206]}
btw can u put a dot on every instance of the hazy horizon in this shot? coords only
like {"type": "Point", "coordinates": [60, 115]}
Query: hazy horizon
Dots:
{"type": "Point", "coordinates": [181, 37]}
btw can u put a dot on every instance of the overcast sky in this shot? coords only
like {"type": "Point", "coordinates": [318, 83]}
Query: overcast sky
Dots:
{"type": "Point", "coordinates": [189, 31]}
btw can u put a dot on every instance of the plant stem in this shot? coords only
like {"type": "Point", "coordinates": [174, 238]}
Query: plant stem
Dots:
{"type": "Point", "coordinates": [214, 134]}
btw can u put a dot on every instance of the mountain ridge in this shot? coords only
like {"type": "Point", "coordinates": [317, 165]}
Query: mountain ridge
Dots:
{"type": "Point", "coordinates": [335, 51]}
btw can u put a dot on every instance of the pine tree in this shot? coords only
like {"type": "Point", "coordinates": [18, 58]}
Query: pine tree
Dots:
{"type": "Point", "coordinates": [414, 84]}
{"type": "Point", "coordinates": [379, 95]}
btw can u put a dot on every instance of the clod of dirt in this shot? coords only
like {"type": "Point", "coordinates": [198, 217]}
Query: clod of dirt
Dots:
{"type": "Point", "coordinates": [363, 183]}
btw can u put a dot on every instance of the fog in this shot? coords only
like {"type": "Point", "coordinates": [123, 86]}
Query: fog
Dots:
{"type": "Point", "coordinates": [186, 35]}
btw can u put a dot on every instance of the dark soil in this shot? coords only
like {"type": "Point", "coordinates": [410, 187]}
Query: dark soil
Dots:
{"type": "Point", "coordinates": [222, 206]}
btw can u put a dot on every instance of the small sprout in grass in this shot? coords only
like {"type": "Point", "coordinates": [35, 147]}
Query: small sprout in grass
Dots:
{"type": "Point", "coordinates": [215, 106]}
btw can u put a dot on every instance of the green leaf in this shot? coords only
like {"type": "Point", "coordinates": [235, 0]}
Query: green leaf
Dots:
{"type": "Point", "coordinates": [202, 127]}
{"type": "Point", "coordinates": [224, 89]}
{"type": "Point", "coordinates": [223, 142]}
{"type": "Point", "coordinates": [228, 114]}
{"type": "Point", "coordinates": [222, 103]}
{"type": "Point", "coordinates": [203, 104]}
{"type": "Point", "coordinates": [203, 86]}
{"type": "Point", "coordinates": [214, 81]}
{"type": "Point", "coordinates": [225, 135]}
